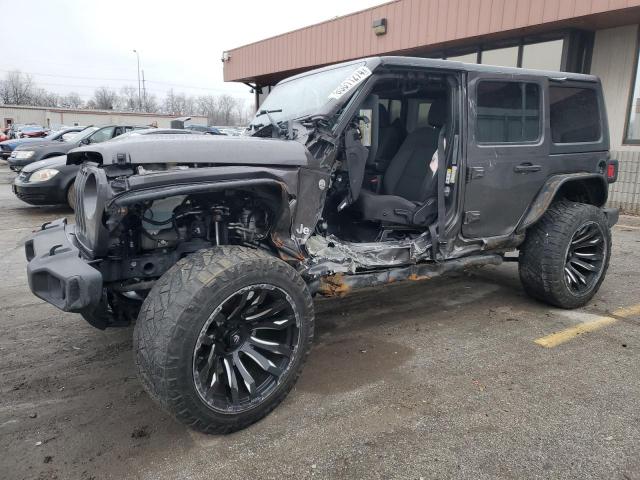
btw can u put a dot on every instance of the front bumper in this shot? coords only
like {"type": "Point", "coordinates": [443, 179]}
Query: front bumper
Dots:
{"type": "Point", "coordinates": [40, 193]}
{"type": "Point", "coordinates": [17, 164]}
{"type": "Point", "coordinates": [57, 273]}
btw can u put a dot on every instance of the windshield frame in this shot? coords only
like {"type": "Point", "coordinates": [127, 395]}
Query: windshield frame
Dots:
{"type": "Point", "coordinates": [332, 103]}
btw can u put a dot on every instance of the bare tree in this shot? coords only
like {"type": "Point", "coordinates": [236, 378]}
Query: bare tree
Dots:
{"type": "Point", "coordinates": [178, 104]}
{"type": "Point", "coordinates": [128, 98]}
{"type": "Point", "coordinates": [43, 98]}
{"type": "Point", "coordinates": [170, 103]}
{"type": "Point", "coordinates": [71, 100]}
{"type": "Point", "coordinates": [242, 112]}
{"type": "Point", "coordinates": [17, 89]}
{"type": "Point", "coordinates": [207, 105]}
{"type": "Point", "coordinates": [103, 99]}
{"type": "Point", "coordinates": [226, 106]}
{"type": "Point", "coordinates": [150, 103]}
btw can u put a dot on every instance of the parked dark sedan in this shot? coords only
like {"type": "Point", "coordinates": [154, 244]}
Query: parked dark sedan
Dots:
{"type": "Point", "coordinates": [33, 152]}
{"type": "Point", "coordinates": [50, 181]}
{"type": "Point", "coordinates": [8, 146]}
{"type": "Point", "coordinates": [47, 182]}
{"type": "Point", "coordinates": [204, 129]}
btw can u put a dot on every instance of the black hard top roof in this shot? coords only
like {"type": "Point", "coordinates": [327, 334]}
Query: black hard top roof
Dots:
{"type": "Point", "coordinates": [420, 62]}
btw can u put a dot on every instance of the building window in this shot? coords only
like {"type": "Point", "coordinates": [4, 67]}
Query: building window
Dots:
{"type": "Point", "coordinates": [468, 58]}
{"type": "Point", "coordinates": [574, 115]}
{"type": "Point", "coordinates": [508, 112]}
{"type": "Point", "coordinates": [632, 133]}
{"type": "Point", "coordinates": [543, 56]}
{"type": "Point", "coordinates": [503, 57]}
{"type": "Point", "coordinates": [536, 56]}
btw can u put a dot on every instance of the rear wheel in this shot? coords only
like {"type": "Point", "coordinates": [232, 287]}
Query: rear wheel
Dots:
{"type": "Point", "coordinates": [565, 256]}
{"type": "Point", "coordinates": [222, 337]}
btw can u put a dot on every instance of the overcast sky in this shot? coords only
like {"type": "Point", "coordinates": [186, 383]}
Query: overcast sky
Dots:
{"type": "Point", "coordinates": [76, 45]}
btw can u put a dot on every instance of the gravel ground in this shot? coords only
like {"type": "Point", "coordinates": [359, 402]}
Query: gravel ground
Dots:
{"type": "Point", "coordinates": [439, 379]}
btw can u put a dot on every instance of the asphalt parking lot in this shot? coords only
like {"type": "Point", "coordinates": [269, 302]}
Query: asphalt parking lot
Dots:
{"type": "Point", "coordinates": [460, 377]}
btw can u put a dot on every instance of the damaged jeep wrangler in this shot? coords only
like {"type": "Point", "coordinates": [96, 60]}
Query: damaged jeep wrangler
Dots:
{"type": "Point", "coordinates": [354, 175]}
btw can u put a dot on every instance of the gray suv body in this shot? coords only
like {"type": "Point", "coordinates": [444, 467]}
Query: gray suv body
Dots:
{"type": "Point", "coordinates": [355, 175]}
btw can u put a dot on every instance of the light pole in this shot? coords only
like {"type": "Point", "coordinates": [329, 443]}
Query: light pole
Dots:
{"type": "Point", "coordinates": [139, 90]}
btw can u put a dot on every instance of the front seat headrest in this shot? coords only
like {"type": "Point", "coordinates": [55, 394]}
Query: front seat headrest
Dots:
{"type": "Point", "coordinates": [383, 116]}
{"type": "Point", "coordinates": [438, 113]}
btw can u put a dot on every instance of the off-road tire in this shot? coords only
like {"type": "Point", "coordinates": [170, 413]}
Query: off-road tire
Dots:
{"type": "Point", "coordinates": [543, 255]}
{"type": "Point", "coordinates": [177, 308]}
{"type": "Point", "coordinates": [71, 196]}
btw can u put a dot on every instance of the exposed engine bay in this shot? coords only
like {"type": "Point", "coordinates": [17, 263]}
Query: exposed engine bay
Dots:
{"type": "Point", "coordinates": [220, 220]}
{"type": "Point", "coordinates": [147, 238]}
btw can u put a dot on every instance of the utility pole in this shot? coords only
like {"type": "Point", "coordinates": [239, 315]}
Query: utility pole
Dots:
{"type": "Point", "coordinates": [139, 89]}
{"type": "Point", "coordinates": [144, 92]}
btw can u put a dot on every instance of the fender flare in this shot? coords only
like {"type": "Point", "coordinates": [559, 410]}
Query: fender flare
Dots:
{"type": "Point", "coordinates": [548, 193]}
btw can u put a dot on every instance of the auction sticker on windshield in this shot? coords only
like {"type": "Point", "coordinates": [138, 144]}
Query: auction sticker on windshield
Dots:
{"type": "Point", "coordinates": [349, 83]}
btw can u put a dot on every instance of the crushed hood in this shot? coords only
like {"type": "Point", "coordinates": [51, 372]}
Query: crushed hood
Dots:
{"type": "Point", "coordinates": [208, 149]}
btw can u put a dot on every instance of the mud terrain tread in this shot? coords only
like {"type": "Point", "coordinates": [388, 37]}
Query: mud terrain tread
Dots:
{"type": "Point", "coordinates": [541, 260]}
{"type": "Point", "coordinates": [166, 315]}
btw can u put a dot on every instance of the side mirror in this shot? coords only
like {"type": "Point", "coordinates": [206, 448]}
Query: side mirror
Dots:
{"type": "Point", "coordinates": [85, 141]}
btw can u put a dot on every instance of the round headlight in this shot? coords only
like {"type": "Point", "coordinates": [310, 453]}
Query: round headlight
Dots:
{"type": "Point", "coordinates": [43, 175]}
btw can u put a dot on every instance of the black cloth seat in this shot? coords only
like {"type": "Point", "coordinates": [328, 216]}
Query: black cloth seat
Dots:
{"type": "Point", "coordinates": [390, 137]}
{"type": "Point", "coordinates": [409, 187]}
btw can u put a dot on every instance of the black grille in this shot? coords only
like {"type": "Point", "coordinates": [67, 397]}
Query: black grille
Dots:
{"type": "Point", "coordinates": [81, 223]}
{"type": "Point", "coordinates": [92, 194]}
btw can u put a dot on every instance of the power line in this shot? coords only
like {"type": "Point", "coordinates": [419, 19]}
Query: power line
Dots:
{"type": "Point", "coordinates": [103, 79]}
{"type": "Point", "coordinates": [72, 76]}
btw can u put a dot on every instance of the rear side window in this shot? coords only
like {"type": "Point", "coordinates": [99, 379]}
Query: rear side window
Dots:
{"type": "Point", "coordinates": [394, 107]}
{"type": "Point", "coordinates": [574, 115]}
{"type": "Point", "coordinates": [423, 115]}
{"type": "Point", "coordinates": [508, 112]}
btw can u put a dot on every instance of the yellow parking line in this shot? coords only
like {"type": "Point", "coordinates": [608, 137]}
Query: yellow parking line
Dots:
{"type": "Point", "coordinates": [567, 334]}
{"type": "Point", "coordinates": [627, 311]}
{"type": "Point", "coordinates": [632, 227]}
{"type": "Point", "coordinates": [555, 339]}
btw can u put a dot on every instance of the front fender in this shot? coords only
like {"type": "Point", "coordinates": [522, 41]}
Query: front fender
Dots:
{"type": "Point", "coordinates": [598, 191]}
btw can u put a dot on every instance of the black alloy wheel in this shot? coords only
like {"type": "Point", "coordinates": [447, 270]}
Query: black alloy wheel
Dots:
{"type": "Point", "coordinates": [244, 348]}
{"type": "Point", "coordinates": [565, 255]}
{"type": "Point", "coordinates": [585, 258]}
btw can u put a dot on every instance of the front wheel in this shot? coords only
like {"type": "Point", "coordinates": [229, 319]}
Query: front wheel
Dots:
{"type": "Point", "coordinates": [71, 196]}
{"type": "Point", "coordinates": [565, 256]}
{"type": "Point", "coordinates": [222, 337]}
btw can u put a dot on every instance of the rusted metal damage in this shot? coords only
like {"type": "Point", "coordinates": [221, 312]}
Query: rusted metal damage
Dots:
{"type": "Point", "coordinates": [339, 284]}
{"type": "Point", "coordinates": [330, 255]}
